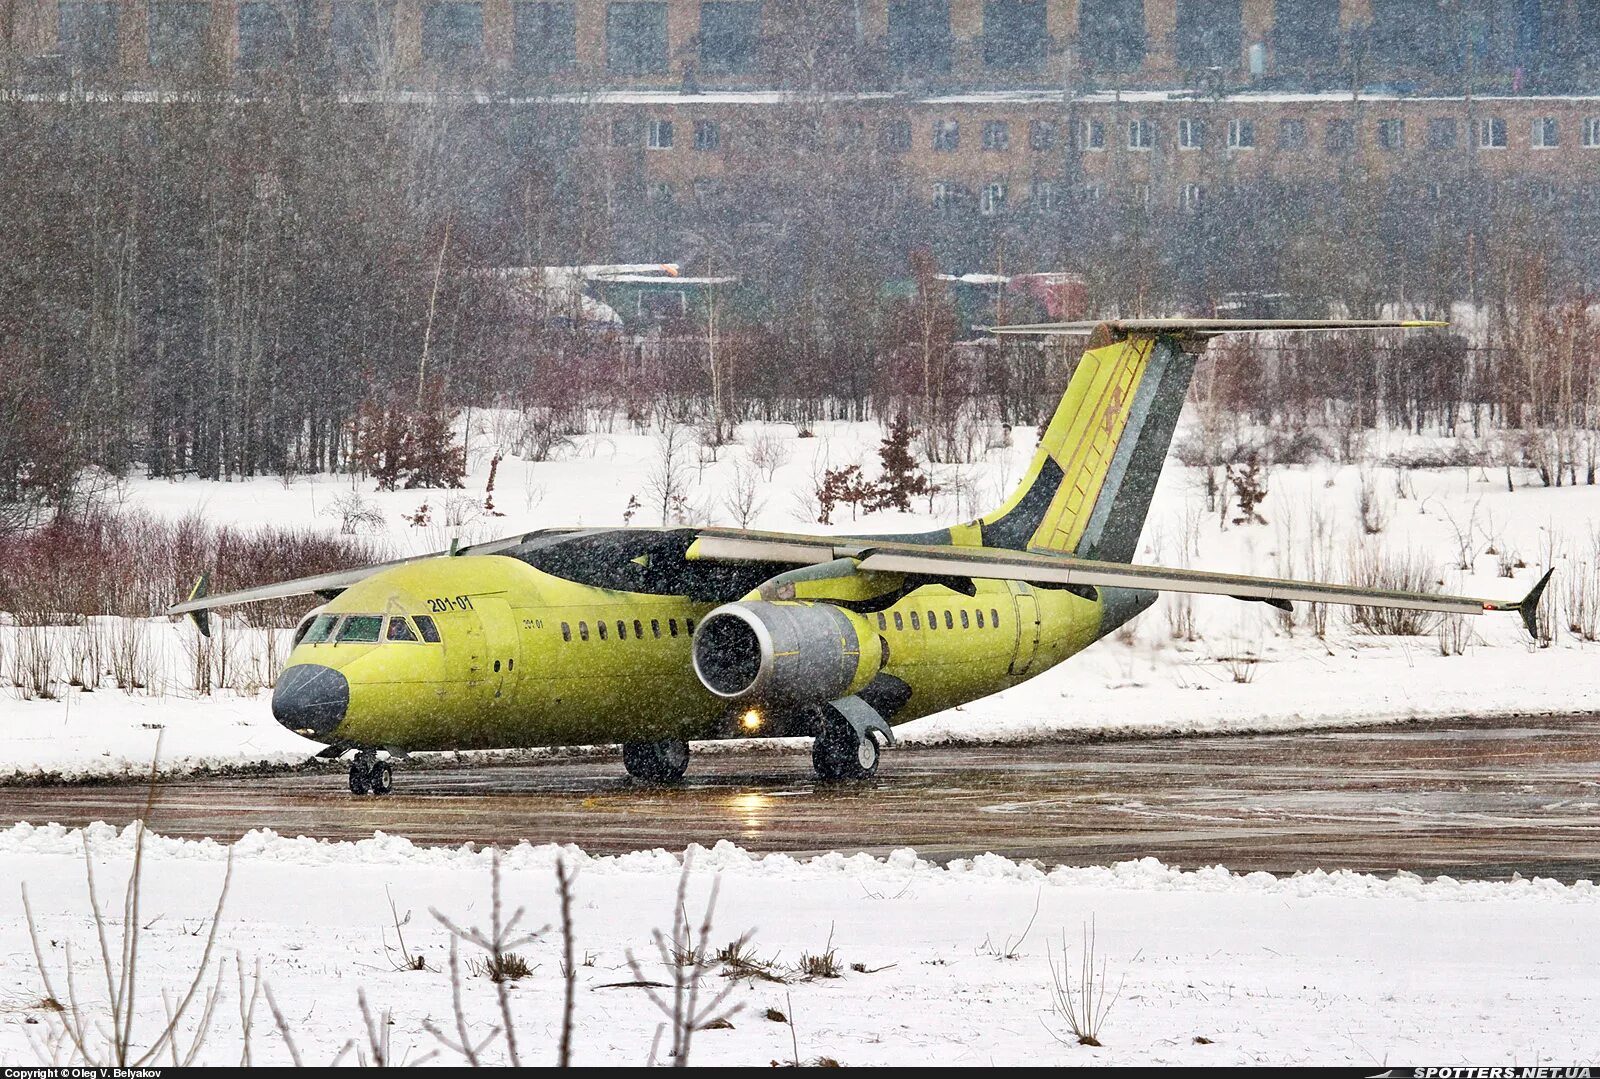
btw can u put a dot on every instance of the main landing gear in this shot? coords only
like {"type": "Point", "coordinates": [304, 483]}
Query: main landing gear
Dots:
{"type": "Point", "coordinates": [838, 752]}
{"type": "Point", "coordinates": [369, 775]}
{"type": "Point", "coordinates": [656, 762]}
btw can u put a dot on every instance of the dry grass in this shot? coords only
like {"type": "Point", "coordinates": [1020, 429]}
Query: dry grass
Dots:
{"type": "Point", "coordinates": [1084, 1003]}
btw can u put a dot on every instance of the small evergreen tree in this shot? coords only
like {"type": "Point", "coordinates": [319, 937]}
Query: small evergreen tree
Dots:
{"type": "Point", "coordinates": [901, 475]}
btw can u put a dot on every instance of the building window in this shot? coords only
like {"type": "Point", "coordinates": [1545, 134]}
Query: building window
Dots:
{"type": "Point", "coordinates": [660, 194]}
{"type": "Point", "coordinates": [993, 199]}
{"type": "Point", "coordinates": [1241, 134]}
{"type": "Point", "coordinates": [1591, 132]}
{"type": "Point", "coordinates": [1043, 197]}
{"type": "Point", "coordinates": [452, 34]}
{"type": "Point", "coordinates": [1041, 135]}
{"type": "Point", "coordinates": [1340, 136]}
{"type": "Point", "coordinates": [1546, 134]}
{"type": "Point", "coordinates": [1090, 193]}
{"type": "Point", "coordinates": [361, 34]}
{"type": "Point", "coordinates": [897, 136]}
{"type": "Point", "coordinates": [264, 39]}
{"type": "Point", "coordinates": [996, 135]}
{"type": "Point", "coordinates": [624, 133]}
{"type": "Point", "coordinates": [707, 135]}
{"type": "Point", "coordinates": [660, 135]}
{"type": "Point", "coordinates": [1014, 37]}
{"type": "Point", "coordinates": [729, 33]}
{"type": "Point", "coordinates": [1192, 197]}
{"type": "Point", "coordinates": [178, 35]}
{"type": "Point", "coordinates": [1392, 134]}
{"type": "Point", "coordinates": [946, 135]}
{"type": "Point", "coordinates": [1141, 134]}
{"type": "Point", "coordinates": [1492, 133]}
{"type": "Point", "coordinates": [1138, 195]}
{"type": "Point", "coordinates": [544, 37]}
{"type": "Point", "coordinates": [945, 198]}
{"type": "Point", "coordinates": [1111, 34]}
{"type": "Point", "coordinates": [88, 34]}
{"type": "Point", "coordinates": [1291, 134]}
{"type": "Point", "coordinates": [919, 36]}
{"type": "Point", "coordinates": [636, 36]}
{"type": "Point", "coordinates": [1191, 134]}
{"type": "Point", "coordinates": [1210, 33]}
{"type": "Point", "coordinates": [1091, 135]}
{"type": "Point", "coordinates": [1441, 133]}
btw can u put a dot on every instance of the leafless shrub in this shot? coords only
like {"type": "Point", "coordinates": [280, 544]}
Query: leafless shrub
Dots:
{"type": "Point", "coordinates": [130, 654]}
{"type": "Point", "coordinates": [355, 514]}
{"type": "Point", "coordinates": [1454, 635]}
{"type": "Point", "coordinates": [1240, 662]}
{"type": "Point", "coordinates": [497, 944]}
{"type": "Point", "coordinates": [34, 661]}
{"type": "Point", "coordinates": [400, 957]}
{"type": "Point", "coordinates": [738, 959]}
{"type": "Point", "coordinates": [684, 1009]}
{"type": "Point", "coordinates": [1012, 947]}
{"type": "Point", "coordinates": [509, 967]}
{"type": "Point", "coordinates": [742, 500]}
{"type": "Point", "coordinates": [1373, 506]}
{"type": "Point", "coordinates": [768, 453]}
{"type": "Point", "coordinates": [104, 1033]}
{"type": "Point", "coordinates": [86, 655]}
{"type": "Point", "coordinates": [1377, 568]}
{"type": "Point", "coordinates": [1582, 600]}
{"type": "Point", "coordinates": [823, 964]}
{"type": "Point", "coordinates": [542, 434]}
{"type": "Point", "coordinates": [1082, 1004]}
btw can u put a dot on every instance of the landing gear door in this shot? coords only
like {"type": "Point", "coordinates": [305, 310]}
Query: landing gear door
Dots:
{"type": "Point", "coordinates": [1026, 605]}
{"type": "Point", "coordinates": [498, 664]}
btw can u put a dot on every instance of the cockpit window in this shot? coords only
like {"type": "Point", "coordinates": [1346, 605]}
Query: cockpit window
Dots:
{"type": "Point", "coordinates": [425, 626]}
{"type": "Point", "coordinates": [361, 629]}
{"type": "Point", "coordinates": [400, 629]}
{"type": "Point", "coordinates": [321, 629]}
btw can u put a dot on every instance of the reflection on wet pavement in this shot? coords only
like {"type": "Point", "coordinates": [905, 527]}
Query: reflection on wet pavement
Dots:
{"type": "Point", "coordinates": [1468, 798]}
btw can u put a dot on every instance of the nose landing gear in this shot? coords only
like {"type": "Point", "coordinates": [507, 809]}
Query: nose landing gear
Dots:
{"type": "Point", "coordinates": [369, 775]}
{"type": "Point", "coordinates": [838, 752]}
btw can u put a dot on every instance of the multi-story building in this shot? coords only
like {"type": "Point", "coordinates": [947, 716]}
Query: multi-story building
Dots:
{"type": "Point", "coordinates": [965, 107]}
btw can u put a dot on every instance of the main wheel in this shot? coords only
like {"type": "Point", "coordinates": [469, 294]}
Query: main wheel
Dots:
{"type": "Point", "coordinates": [656, 762]}
{"type": "Point", "coordinates": [363, 771]}
{"type": "Point", "coordinates": [839, 753]}
{"type": "Point", "coordinates": [382, 777]}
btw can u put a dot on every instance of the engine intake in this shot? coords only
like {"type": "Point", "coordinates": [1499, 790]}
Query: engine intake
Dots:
{"type": "Point", "coordinates": [786, 653]}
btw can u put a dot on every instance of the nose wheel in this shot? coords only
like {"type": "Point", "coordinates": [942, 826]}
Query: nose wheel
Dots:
{"type": "Point", "coordinates": [369, 775]}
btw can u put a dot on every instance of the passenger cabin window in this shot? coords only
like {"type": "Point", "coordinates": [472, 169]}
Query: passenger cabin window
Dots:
{"type": "Point", "coordinates": [933, 619]}
{"type": "Point", "coordinates": [688, 625]}
{"type": "Point", "coordinates": [622, 630]}
{"type": "Point", "coordinates": [964, 623]}
{"type": "Point", "coordinates": [425, 626]}
{"type": "Point", "coordinates": [994, 618]}
{"type": "Point", "coordinates": [601, 626]}
{"type": "Point", "coordinates": [672, 623]}
{"type": "Point", "coordinates": [899, 623]}
{"type": "Point", "coordinates": [655, 628]}
{"type": "Point", "coordinates": [400, 630]}
{"type": "Point", "coordinates": [949, 621]}
{"type": "Point", "coordinates": [638, 630]}
{"type": "Point", "coordinates": [321, 628]}
{"type": "Point", "coordinates": [361, 629]}
{"type": "Point", "coordinates": [583, 631]}
{"type": "Point", "coordinates": [566, 632]}
{"type": "Point", "coordinates": [916, 621]}
{"type": "Point", "coordinates": [980, 619]}
{"type": "Point", "coordinates": [883, 621]}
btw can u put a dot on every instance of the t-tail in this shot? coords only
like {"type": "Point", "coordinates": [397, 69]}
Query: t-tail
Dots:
{"type": "Point", "coordinates": [1088, 489]}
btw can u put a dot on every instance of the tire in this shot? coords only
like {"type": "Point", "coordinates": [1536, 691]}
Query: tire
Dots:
{"type": "Point", "coordinates": [664, 761]}
{"type": "Point", "coordinates": [362, 772]}
{"type": "Point", "coordinates": [382, 778]}
{"type": "Point", "coordinates": [839, 753]}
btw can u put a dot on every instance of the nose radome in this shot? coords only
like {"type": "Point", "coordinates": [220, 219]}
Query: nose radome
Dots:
{"type": "Point", "coordinates": [311, 699]}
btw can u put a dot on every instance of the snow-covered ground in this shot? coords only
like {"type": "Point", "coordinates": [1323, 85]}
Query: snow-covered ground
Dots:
{"type": "Point", "coordinates": [1244, 669]}
{"type": "Point", "coordinates": [1214, 968]}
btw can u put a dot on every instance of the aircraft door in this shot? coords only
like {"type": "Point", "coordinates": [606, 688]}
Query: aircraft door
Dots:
{"type": "Point", "coordinates": [1026, 606]}
{"type": "Point", "coordinates": [500, 644]}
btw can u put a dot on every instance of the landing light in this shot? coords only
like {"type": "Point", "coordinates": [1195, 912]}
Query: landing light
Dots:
{"type": "Point", "coordinates": [751, 720]}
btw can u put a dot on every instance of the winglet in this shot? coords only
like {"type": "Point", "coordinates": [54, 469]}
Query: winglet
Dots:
{"type": "Point", "coordinates": [201, 616]}
{"type": "Point", "coordinates": [1528, 606]}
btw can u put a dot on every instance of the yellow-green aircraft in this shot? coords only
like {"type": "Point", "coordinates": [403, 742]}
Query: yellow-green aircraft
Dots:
{"type": "Point", "coordinates": [653, 637]}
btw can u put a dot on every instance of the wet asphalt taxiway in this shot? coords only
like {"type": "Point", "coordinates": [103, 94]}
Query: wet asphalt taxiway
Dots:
{"type": "Point", "coordinates": [1469, 798]}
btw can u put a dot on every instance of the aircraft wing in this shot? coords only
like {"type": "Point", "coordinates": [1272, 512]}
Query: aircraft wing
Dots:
{"type": "Point", "coordinates": [1045, 569]}
{"type": "Point", "coordinates": [1207, 327]}
{"type": "Point", "coordinates": [200, 601]}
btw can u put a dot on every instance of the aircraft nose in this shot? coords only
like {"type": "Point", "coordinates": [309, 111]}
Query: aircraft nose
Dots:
{"type": "Point", "coordinates": [311, 699]}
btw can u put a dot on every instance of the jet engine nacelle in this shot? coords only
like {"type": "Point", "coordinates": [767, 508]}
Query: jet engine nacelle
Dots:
{"type": "Point", "coordinates": [786, 653]}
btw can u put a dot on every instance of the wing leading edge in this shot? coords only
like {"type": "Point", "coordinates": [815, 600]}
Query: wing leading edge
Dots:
{"type": "Point", "coordinates": [955, 561]}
